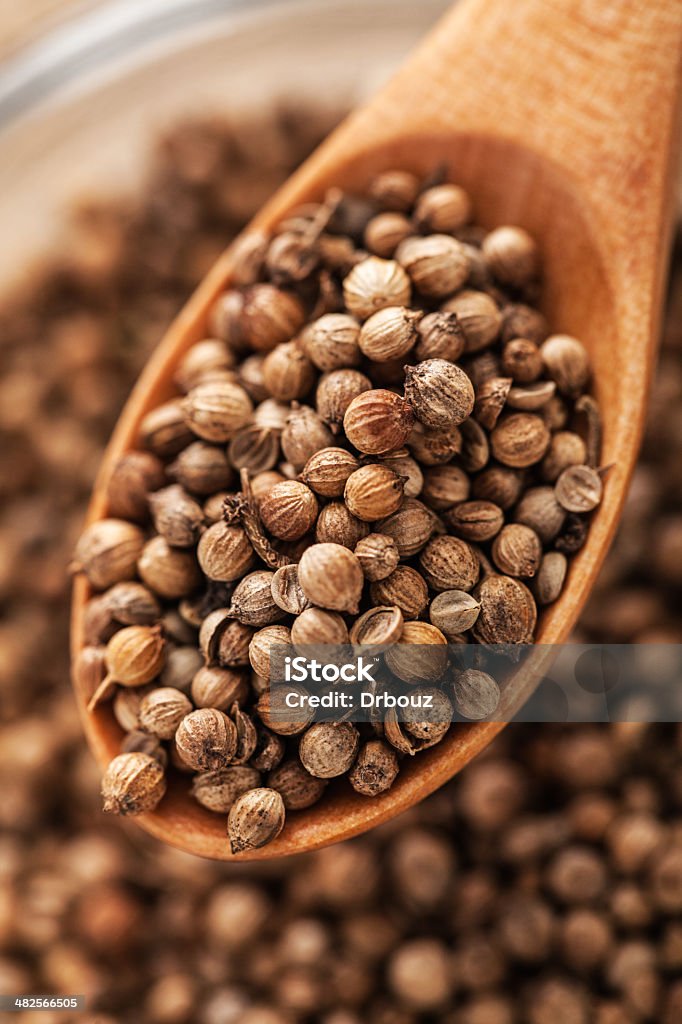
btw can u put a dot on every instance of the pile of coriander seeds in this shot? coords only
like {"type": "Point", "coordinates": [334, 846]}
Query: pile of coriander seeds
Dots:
{"type": "Point", "coordinates": [377, 442]}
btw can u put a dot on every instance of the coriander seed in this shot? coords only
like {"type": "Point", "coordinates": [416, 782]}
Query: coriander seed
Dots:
{"type": "Point", "coordinates": [444, 208]}
{"type": "Point", "coordinates": [519, 440]}
{"type": "Point", "coordinates": [454, 612]}
{"type": "Point", "coordinates": [438, 265]}
{"type": "Point", "coordinates": [449, 563]}
{"type": "Point", "coordinates": [177, 517]}
{"type": "Point", "coordinates": [225, 553]}
{"type": "Point", "coordinates": [579, 489]}
{"type": "Point", "coordinates": [378, 626]}
{"type": "Point", "coordinates": [440, 394]}
{"type": "Point", "coordinates": [517, 550]}
{"type": "Point", "coordinates": [405, 589]}
{"type": "Point", "coordinates": [133, 477]}
{"type": "Point", "coordinates": [335, 392]}
{"type": "Point", "coordinates": [206, 740]}
{"type": "Point", "coordinates": [287, 372]}
{"type": "Point", "coordinates": [107, 552]}
{"type": "Point", "coordinates": [378, 421]}
{"type": "Point", "coordinates": [218, 687]}
{"type": "Point", "coordinates": [297, 787]}
{"type": "Point", "coordinates": [476, 695]}
{"type": "Point", "coordinates": [328, 749]}
{"type": "Point", "coordinates": [389, 334]}
{"type": "Point", "coordinates": [478, 317]}
{"type": "Point", "coordinates": [215, 411]}
{"type": "Point", "coordinates": [373, 492]}
{"type": "Point", "coordinates": [327, 471]}
{"type": "Point", "coordinates": [336, 524]}
{"type": "Point", "coordinates": [475, 521]}
{"type": "Point", "coordinates": [289, 511]}
{"type": "Point", "coordinates": [286, 590]}
{"type": "Point", "coordinates": [255, 818]}
{"type": "Point", "coordinates": [134, 783]}
{"type": "Point", "coordinates": [440, 337]}
{"type": "Point", "coordinates": [512, 255]}
{"type": "Point", "coordinates": [202, 469]}
{"type": "Point", "coordinates": [170, 572]}
{"type": "Point", "coordinates": [135, 655]}
{"type": "Point", "coordinates": [375, 769]}
{"type": "Point", "coordinates": [374, 284]}
{"type": "Point", "coordinates": [378, 556]}
{"type": "Point", "coordinates": [385, 232]}
{"type": "Point", "coordinates": [566, 362]}
{"type": "Point", "coordinates": [331, 577]}
{"type": "Point", "coordinates": [218, 790]}
{"type": "Point", "coordinates": [331, 343]}
{"type": "Point", "coordinates": [162, 710]}
{"type": "Point", "coordinates": [261, 642]}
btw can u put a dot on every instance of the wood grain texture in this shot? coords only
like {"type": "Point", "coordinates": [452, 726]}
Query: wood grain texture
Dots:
{"type": "Point", "coordinates": [557, 115]}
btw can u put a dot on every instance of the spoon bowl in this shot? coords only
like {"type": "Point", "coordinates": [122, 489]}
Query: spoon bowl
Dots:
{"type": "Point", "coordinates": [524, 105]}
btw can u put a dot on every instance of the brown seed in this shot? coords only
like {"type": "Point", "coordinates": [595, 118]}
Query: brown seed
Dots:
{"type": "Point", "coordinates": [532, 397]}
{"type": "Point", "coordinates": [440, 394]}
{"type": "Point", "coordinates": [218, 790]}
{"type": "Point", "coordinates": [162, 710]}
{"type": "Point", "coordinates": [328, 749]}
{"type": "Point", "coordinates": [478, 317]}
{"type": "Point", "coordinates": [177, 516]}
{"type": "Point", "coordinates": [168, 571]}
{"type": "Point", "coordinates": [435, 447]}
{"type": "Point", "coordinates": [375, 769]}
{"type": "Point", "coordinates": [182, 664]}
{"type": "Point", "coordinates": [520, 439]}
{"type": "Point", "coordinates": [287, 592]}
{"type": "Point", "coordinates": [303, 435]}
{"type": "Point", "coordinates": [579, 489]}
{"type": "Point", "coordinates": [445, 208]}
{"type": "Point", "coordinates": [255, 819]}
{"type": "Point", "coordinates": [378, 626]}
{"type": "Point", "coordinates": [475, 448]}
{"type": "Point", "coordinates": [107, 552]}
{"type": "Point", "coordinates": [549, 580]}
{"type": "Point", "coordinates": [143, 743]}
{"type": "Point", "coordinates": [378, 556]}
{"type": "Point", "coordinates": [374, 284]}
{"type": "Point", "coordinates": [420, 655]}
{"type": "Point", "coordinates": [389, 334]}
{"type": "Point", "coordinates": [521, 321]}
{"type": "Point", "coordinates": [331, 577]}
{"type": "Point", "coordinates": [331, 343]}
{"type": "Point", "coordinates": [250, 374]}
{"type": "Point", "coordinates": [438, 265]}
{"type": "Point", "coordinates": [378, 421]}
{"type": "Point", "coordinates": [260, 318]}
{"type": "Point", "coordinates": [126, 706]}
{"type": "Point", "coordinates": [410, 527]}
{"type": "Point", "coordinates": [408, 469]}
{"type": "Point", "coordinates": [404, 588]}
{"type": "Point", "coordinates": [219, 688]}
{"type": "Point", "coordinates": [336, 390]}
{"type": "Point", "coordinates": [539, 509]}
{"type": "Point", "coordinates": [449, 563]}
{"type": "Point", "coordinates": [134, 783]}
{"type": "Point", "coordinates": [476, 521]}
{"type": "Point", "coordinates": [252, 602]}
{"type": "Point", "coordinates": [132, 478]}
{"type": "Point", "coordinates": [565, 449]}
{"type": "Point", "coordinates": [135, 655]}
{"type": "Point", "coordinates": [224, 641]}
{"type": "Point", "coordinates": [453, 612]}
{"type": "Point", "coordinates": [373, 492]}
{"type": "Point", "coordinates": [203, 361]}
{"type": "Point", "coordinates": [337, 525]}
{"type": "Point", "coordinates": [287, 372]}
{"type": "Point", "coordinates": [289, 511]}
{"type": "Point", "coordinates": [395, 190]}
{"type": "Point", "coordinates": [206, 740]}
{"type": "Point", "coordinates": [314, 626]}
{"type": "Point", "coordinates": [430, 730]}
{"type": "Point", "coordinates": [262, 484]}
{"type": "Point", "coordinates": [326, 471]}
{"type": "Point", "coordinates": [566, 362]}
{"type": "Point", "coordinates": [522, 360]}
{"type": "Point", "coordinates": [164, 430]}
{"type": "Point", "coordinates": [385, 232]}
{"type": "Point", "coordinates": [216, 410]}
{"type": "Point", "coordinates": [440, 337]}
{"type": "Point", "coordinates": [512, 255]}
{"type": "Point", "coordinates": [517, 550]}
{"type": "Point", "coordinates": [297, 787]}
{"type": "Point", "coordinates": [508, 614]}
{"type": "Point", "coordinates": [261, 642]}
{"type": "Point", "coordinates": [500, 485]}
{"type": "Point", "coordinates": [225, 552]}
{"type": "Point", "coordinates": [255, 448]}
{"type": "Point", "coordinates": [275, 711]}
{"type": "Point", "coordinates": [202, 469]}
{"type": "Point", "coordinates": [491, 397]}
{"type": "Point", "coordinates": [476, 695]}
{"type": "Point", "coordinates": [445, 486]}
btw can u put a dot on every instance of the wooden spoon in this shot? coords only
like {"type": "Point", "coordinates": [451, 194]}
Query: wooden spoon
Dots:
{"type": "Point", "coordinates": [561, 117]}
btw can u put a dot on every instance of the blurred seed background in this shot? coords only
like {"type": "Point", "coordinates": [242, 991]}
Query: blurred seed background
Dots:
{"type": "Point", "coordinates": [544, 885]}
